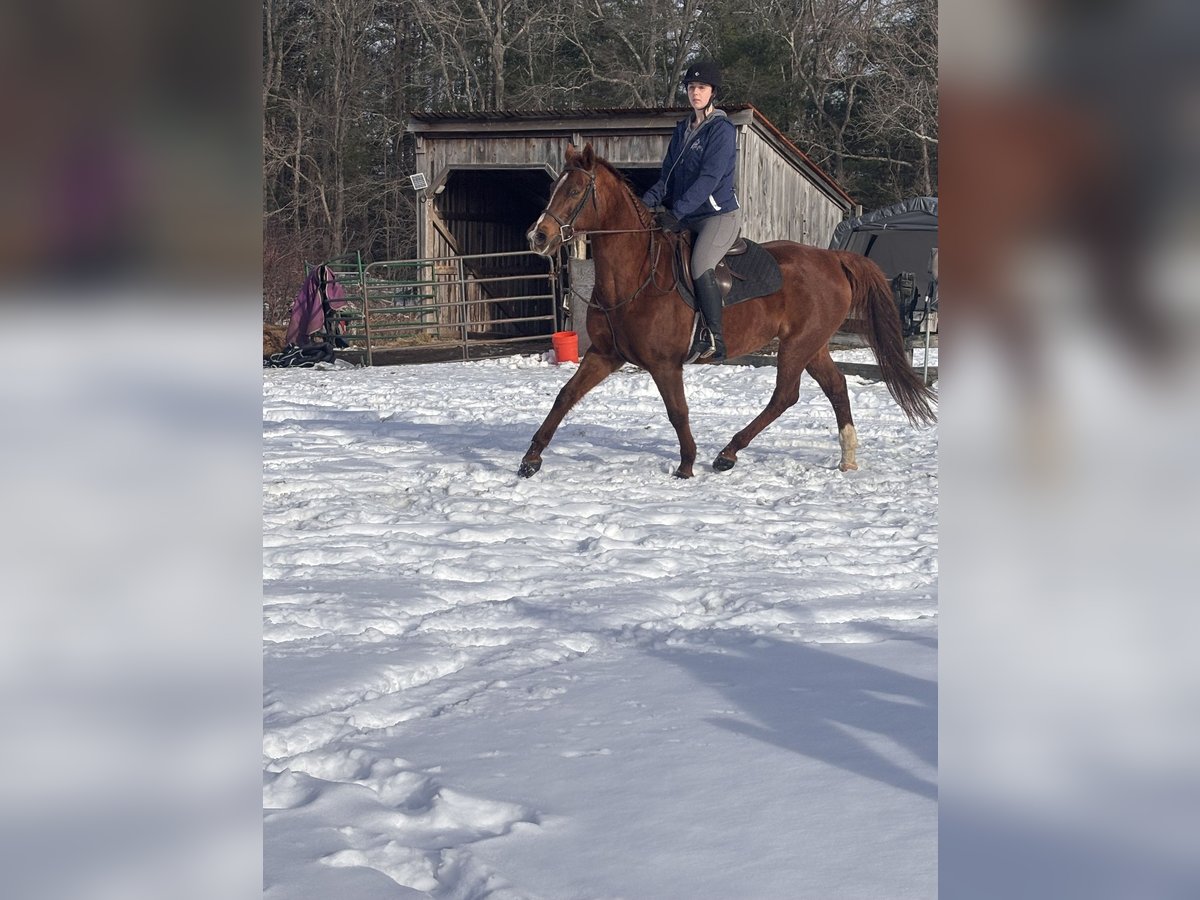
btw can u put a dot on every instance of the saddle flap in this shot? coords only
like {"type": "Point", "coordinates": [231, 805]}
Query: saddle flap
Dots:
{"type": "Point", "coordinates": [724, 276]}
{"type": "Point", "coordinates": [723, 273]}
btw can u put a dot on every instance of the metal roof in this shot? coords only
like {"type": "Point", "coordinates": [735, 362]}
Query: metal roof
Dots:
{"type": "Point", "coordinates": [492, 115]}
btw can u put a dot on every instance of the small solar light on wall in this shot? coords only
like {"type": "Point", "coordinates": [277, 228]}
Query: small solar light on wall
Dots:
{"type": "Point", "coordinates": [418, 181]}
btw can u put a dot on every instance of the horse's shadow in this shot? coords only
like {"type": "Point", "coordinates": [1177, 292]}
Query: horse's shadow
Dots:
{"type": "Point", "coordinates": [478, 442]}
{"type": "Point", "coordinates": [812, 701]}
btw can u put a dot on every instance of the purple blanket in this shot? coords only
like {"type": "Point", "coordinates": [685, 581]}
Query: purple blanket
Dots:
{"type": "Point", "coordinates": [307, 314]}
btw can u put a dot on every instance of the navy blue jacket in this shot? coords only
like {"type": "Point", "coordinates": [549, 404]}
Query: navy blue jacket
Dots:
{"type": "Point", "coordinates": [697, 180]}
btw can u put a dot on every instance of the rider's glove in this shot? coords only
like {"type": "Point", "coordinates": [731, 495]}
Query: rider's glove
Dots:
{"type": "Point", "coordinates": [666, 220]}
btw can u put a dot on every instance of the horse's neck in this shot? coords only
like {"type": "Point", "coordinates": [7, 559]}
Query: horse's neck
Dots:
{"type": "Point", "coordinates": [623, 259]}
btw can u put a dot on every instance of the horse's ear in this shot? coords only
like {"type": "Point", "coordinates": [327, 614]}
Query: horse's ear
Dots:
{"type": "Point", "coordinates": [571, 153]}
{"type": "Point", "coordinates": [589, 157]}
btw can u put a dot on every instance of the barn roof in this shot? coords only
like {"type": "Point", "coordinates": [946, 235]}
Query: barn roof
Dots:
{"type": "Point", "coordinates": [489, 115]}
{"type": "Point", "coordinates": [431, 122]}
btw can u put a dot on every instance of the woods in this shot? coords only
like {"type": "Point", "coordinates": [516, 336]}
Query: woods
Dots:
{"type": "Point", "coordinates": [853, 83]}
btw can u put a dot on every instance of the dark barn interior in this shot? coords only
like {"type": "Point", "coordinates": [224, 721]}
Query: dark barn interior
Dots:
{"type": "Point", "coordinates": [489, 210]}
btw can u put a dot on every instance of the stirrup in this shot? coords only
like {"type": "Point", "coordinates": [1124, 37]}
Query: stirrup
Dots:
{"type": "Point", "coordinates": [706, 348]}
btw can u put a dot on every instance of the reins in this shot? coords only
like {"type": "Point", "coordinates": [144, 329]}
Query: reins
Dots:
{"type": "Point", "coordinates": [657, 252]}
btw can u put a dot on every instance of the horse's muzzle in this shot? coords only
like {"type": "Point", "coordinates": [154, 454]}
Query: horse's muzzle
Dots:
{"type": "Point", "coordinates": [539, 241]}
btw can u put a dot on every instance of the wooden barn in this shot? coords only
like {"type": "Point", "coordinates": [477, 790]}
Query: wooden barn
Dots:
{"type": "Point", "coordinates": [489, 175]}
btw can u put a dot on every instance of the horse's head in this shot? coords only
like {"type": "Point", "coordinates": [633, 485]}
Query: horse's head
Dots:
{"type": "Point", "coordinates": [573, 205]}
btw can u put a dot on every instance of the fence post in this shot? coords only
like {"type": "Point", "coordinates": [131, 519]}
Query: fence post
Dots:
{"type": "Point", "coordinates": [362, 283]}
{"type": "Point", "coordinates": [464, 308]}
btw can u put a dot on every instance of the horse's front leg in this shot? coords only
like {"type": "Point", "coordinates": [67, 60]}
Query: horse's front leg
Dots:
{"type": "Point", "coordinates": [670, 385]}
{"type": "Point", "coordinates": [593, 370]}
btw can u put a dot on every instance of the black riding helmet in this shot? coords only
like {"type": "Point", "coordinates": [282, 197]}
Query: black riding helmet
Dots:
{"type": "Point", "coordinates": [704, 71]}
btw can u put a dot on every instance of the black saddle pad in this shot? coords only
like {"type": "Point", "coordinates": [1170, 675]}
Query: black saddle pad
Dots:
{"type": "Point", "coordinates": [755, 274]}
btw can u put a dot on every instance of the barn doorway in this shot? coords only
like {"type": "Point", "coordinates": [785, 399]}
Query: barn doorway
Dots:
{"type": "Point", "coordinates": [489, 210]}
{"type": "Point", "coordinates": [483, 214]}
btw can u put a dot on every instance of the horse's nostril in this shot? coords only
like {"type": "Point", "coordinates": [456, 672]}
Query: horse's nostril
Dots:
{"type": "Point", "coordinates": [539, 238]}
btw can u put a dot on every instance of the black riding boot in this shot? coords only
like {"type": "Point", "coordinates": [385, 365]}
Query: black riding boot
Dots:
{"type": "Point", "coordinates": [708, 298]}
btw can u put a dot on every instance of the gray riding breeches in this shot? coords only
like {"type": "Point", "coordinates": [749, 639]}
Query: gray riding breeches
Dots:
{"type": "Point", "coordinates": [714, 236]}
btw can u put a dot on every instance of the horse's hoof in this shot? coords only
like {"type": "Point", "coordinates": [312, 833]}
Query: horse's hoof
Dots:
{"type": "Point", "coordinates": [680, 473]}
{"type": "Point", "coordinates": [848, 467]}
{"type": "Point", "coordinates": [723, 463]}
{"type": "Point", "coordinates": [529, 468]}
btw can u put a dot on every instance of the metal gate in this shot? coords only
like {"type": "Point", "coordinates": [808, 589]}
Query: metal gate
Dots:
{"type": "Point", "coordinates": [465, 302]}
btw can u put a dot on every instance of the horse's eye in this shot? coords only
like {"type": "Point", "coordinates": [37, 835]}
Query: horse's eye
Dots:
{"type": "Point", "coordinates": [574, 192]}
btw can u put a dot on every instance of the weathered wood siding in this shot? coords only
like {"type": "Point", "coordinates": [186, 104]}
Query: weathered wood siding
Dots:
{"type": "Point", "coordinates": [629, 149]}
{"type": "Point", "coordinates": [441, 154]}
{"type": "Point", "coordinates": [438, 154]}
{"type": "Point", "coordinates": [778, 201]}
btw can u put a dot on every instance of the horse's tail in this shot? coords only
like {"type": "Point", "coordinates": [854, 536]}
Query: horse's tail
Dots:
{"type": "Point", "coordinates": [872, 302]}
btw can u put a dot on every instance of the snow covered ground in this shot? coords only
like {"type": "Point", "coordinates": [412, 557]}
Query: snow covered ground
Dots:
{"type": "Point", "coordinates": [603, 681]}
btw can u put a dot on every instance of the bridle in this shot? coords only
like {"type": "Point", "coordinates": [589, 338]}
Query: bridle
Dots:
{"type": "Point", "coordinates": [566, 230]}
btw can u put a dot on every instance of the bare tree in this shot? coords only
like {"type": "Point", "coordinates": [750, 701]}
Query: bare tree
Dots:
{"type": "Point", "coordinates": [828, 58]}
{"type": "Point", "coordinates": [477, 44]}
{"type": "Point", "coordinates": [632, 53]}
{"type": "Point", "coordinates": [853, 82]}
{"type": "Point", "coordinates": [901, 110]}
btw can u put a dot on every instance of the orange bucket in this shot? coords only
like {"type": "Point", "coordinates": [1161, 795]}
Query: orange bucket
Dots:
{"type": "Point", "coordinates": [566, 346]}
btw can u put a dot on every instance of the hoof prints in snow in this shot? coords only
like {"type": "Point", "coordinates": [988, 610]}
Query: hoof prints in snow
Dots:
{"type": "Point", "coordinates": [400, 821]}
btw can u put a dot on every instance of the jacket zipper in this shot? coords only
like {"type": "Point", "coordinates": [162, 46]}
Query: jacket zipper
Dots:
{"type": "Point", "coordinates": [683, 149]}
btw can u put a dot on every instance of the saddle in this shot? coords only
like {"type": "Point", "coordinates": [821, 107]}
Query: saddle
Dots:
{"type": "Point", "coordinates": [745, 272]}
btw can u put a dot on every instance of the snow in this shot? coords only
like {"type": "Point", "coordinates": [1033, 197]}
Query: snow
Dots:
{"type": "Point", "coordinates": [603, 681]}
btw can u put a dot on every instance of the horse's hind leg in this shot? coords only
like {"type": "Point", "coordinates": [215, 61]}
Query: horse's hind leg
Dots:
{"type": "Point", "coordinates": [826, 373]}
{"type": "Point", "coordinates": [593, 370]}
{"type": "Point", "coordinates": [791, 363]}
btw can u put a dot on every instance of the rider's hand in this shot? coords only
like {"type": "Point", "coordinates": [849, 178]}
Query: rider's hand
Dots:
{"type": "Point", "coordinates": [666, 220]}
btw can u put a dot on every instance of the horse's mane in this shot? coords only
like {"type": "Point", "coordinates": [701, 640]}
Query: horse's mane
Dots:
{"type": "Point", "coordinates": [639, 207]}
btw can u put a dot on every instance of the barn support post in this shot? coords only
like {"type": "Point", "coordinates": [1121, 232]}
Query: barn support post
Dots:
{"type": "Point", "coordinates": [581, 275]}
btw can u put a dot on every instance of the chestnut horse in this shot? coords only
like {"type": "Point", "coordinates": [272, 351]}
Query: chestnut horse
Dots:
{"type": "Point", "coordinates": [636, 315]}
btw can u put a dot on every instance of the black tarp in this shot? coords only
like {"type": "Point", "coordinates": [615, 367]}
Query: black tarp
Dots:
{"type": "Point", "coordinates": [898, 238]}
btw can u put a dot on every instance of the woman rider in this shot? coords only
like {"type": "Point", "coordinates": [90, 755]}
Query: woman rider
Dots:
{"type": "Point", "coordinates": [696, 189]}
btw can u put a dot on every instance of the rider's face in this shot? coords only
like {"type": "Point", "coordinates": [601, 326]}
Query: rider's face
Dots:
{"type": "Point", "coordinates": [699, 95]}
